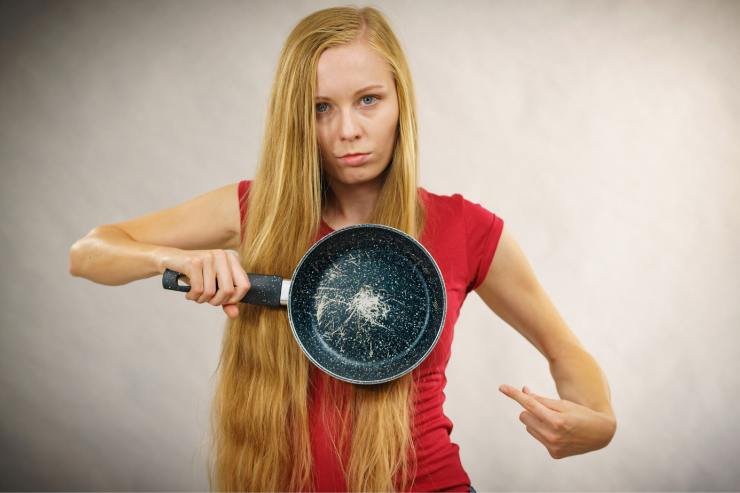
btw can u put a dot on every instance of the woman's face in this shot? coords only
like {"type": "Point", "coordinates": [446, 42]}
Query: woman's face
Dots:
{"type": "Point", "coordinates": [352, 118]}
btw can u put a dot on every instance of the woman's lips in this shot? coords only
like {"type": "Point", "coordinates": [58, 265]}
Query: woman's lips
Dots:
{"type": "Point", "coordinates": [354, 159]}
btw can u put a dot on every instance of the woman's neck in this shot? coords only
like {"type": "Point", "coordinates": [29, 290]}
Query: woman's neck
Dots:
{"type": "Point", "coordinates": [347, 205]}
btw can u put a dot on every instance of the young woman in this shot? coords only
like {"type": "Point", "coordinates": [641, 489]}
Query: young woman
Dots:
{"type": "Point", "coordinates": [343, 88]}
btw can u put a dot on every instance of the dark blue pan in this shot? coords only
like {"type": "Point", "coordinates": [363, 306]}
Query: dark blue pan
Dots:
{"type": "Point", "coordinates": [366, 303]}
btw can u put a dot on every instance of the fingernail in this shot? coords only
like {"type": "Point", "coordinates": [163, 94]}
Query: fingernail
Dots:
{"type": "Point", "coordinates": [502, 388]}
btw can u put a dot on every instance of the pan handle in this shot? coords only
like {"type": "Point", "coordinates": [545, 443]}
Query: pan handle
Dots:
{"type": "Point", "coordinates": [265, 290]}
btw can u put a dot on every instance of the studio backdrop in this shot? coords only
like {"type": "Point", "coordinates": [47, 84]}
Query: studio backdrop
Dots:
{"type": "Point", "coordinates": [606, 134]}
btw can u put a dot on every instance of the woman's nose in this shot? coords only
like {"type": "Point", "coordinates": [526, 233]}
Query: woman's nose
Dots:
{"type": "Point", "coordinates": [349, 127]}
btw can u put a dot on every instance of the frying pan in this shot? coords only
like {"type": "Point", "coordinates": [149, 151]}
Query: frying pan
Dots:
{"type": "Point", "coordinates": [366, 303]}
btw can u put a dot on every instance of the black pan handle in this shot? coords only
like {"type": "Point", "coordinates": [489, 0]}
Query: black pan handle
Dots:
{"type": "Point", "coordinates": [264, 290]}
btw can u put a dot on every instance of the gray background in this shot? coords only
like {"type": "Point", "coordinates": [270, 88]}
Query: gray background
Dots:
{"type": "Point", "coordinates": [606, 134]}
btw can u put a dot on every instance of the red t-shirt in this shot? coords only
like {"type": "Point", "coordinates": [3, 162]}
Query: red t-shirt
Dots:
{"type": "Point", "coordinates": [462, 236]}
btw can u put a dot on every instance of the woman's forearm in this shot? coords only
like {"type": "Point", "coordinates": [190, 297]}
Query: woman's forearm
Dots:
{"type": "Point", "coordinates": [108, 255]}
{"type": "Point", "coordinates": [579, 379]}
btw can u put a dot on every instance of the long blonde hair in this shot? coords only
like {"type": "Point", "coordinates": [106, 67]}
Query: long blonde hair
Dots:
{"type": "Point", "coordinates": [259, 416]}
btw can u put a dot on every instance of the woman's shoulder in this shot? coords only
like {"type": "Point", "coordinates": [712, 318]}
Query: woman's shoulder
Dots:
{"type": "Point", "coordinates": [456, 207]}
{"type": "Point", "coordinates": [454, 199]}
{"type": "Point", "coordinates": [242, 193]}
{"type": "Point", "coordinates": [443, 201]}
{"type": "Point", "coordinates": [244, 185]}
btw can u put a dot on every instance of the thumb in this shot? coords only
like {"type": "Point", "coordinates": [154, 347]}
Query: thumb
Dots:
{"type": "Point", "coordinates": [231, 310]}
{"type": "Point", "coordinates": [555, 404]}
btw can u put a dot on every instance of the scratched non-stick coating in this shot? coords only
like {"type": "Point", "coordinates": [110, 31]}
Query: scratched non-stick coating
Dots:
{"type": "Point", "coordinates": [367, 303]}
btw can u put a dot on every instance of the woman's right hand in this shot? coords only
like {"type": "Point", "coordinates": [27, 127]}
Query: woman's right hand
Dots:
{"type": "Point", "coordinates": [203, 269]}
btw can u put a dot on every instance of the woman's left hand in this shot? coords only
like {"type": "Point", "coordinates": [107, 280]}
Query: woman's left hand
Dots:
{"type": "Point", "coordinates": [563, 427]}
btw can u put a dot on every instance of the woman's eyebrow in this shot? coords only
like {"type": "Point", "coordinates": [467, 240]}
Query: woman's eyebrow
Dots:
{"type": "Point", "coordinates": [366, 88]}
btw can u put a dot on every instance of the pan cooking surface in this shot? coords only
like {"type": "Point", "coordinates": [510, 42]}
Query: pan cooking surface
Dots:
{"type": "Point", "coordinates": [368, 303]}
{"type": "Point", "coordinates": [370, 306]}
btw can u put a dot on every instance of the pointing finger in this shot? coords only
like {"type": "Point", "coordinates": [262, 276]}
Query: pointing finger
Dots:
{"type": "Point", "coordinates": [529, 403]}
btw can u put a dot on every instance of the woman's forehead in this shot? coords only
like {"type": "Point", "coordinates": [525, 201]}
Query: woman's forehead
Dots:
{"type": "Point", "coordinates": [348, 68]}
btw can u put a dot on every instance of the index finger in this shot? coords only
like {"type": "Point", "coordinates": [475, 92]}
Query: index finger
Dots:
{"type": "Point", "coordinates": [529, 403]}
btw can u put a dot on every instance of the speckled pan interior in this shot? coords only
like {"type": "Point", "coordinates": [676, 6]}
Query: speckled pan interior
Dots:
{"type": "Point", "coordinates": [367, 303]}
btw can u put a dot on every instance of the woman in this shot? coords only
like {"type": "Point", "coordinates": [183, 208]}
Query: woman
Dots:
{"type": "Point", "coordinates": [343, 87]}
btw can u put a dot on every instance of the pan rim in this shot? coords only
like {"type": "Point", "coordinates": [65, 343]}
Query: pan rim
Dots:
{"type": "Point", "coordinates": [439, 329]}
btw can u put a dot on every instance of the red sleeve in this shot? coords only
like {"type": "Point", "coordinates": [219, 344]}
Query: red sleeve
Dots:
{"type": "Point", "coordinates": [482, 231]}
{"type": "Point", "coordinates": [243, 190]}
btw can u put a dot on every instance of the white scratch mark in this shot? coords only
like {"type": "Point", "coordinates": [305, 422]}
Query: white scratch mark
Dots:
{"type": "Point", "coordinates": [368, 306]}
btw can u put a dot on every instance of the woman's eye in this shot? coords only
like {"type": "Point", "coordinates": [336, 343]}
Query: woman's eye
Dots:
{"type": "Point", "coordinates": [364, 98]}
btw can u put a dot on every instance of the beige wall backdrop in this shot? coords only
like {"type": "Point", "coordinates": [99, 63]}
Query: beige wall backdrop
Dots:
{"type": "Point", "coordinates": [606, 134]}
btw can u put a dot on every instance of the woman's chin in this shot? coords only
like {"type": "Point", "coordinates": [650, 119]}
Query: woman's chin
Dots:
{"type": "Point", "coordinates": [357, 177]}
